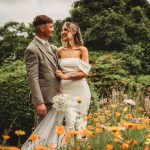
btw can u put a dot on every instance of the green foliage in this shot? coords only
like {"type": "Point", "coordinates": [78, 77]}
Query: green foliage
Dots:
{"type": "Point", "coordinates": [109, 72]}
{"type": "Point", "coordinates": [16, 112]}
{"type": "Point", "coordinates": [14, 38]}
{"type": "Point", "coordinates": [117, 25]}
{"type": "Point", "coordinates": [56, 39]}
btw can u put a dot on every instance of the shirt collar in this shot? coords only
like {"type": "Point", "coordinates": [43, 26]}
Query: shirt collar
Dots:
{"type": "Point", "coordinates": [41, 40]}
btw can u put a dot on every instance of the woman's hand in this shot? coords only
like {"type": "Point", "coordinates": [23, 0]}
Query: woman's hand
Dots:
{"type": "Point", "coordinates": [61, 75]}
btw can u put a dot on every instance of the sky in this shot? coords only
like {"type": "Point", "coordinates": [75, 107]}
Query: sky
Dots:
{"type": "Point", "coordinates": [26, 10]}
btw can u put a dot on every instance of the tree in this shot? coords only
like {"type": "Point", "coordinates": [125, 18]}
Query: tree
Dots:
{"type": "Point", "coordinates": [14, 38]}
{"type": "Point", "coordinates": [115, 26]}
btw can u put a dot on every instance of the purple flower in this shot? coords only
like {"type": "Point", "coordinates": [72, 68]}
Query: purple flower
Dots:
{"type": "Point", "coordinates": [129, 101]}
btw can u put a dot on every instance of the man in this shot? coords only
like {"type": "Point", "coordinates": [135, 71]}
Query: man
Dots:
{"type": "Point", "coordinates": [41, 63]}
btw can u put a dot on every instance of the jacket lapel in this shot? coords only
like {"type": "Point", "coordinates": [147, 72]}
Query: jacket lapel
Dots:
{"type": "Point", "coordinates": [56, 56]}
{"type": "Point", "coordinates": [46, 52]}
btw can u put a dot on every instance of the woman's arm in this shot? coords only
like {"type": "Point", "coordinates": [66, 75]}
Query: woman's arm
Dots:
{"type": "Point", "coordinates": [84, 54]}
{"type": "Point", "coordinates": [73, 76]}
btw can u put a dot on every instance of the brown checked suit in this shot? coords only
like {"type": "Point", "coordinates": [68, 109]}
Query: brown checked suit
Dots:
{"type": "Point", "coordinates": [41, 64]}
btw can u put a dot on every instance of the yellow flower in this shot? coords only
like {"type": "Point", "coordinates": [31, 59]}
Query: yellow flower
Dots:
{"type": "Point", "coordinates": [113, 129]}
{"type": "Point", "coordinates": [125, 109]}
{"type": "Point", "coordinates": [147, 142]}
{"type": "Point", "coordinates": [5, 137]}
{"type": "Point", "coordinates": [148, 136]}
{"type": "Point", "coordinates": [98, 130]}
{"type": "Point", "coordinates": [79, 100]}
{"type": "Point", "coordinates": [33, 138]}
{"type": "Point", "coordinates": [19, 132]}
{"type": "Point", "coordinates": [109, 147]}
{"type": "Point", "coordinates": [86, 118]}
{"type": "Point", "coordinates": [60, 129]}
{"type": "Point", "coordinates": [113, 106]}
{"type": "Point", "coordinates": [124, 146]}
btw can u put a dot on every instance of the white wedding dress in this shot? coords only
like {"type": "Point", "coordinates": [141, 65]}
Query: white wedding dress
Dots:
{"type": "Point", "coordinates": [78, 89]}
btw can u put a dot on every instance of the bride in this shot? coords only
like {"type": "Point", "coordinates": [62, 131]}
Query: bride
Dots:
{"type": "Point", "coordinates": [75, 66]}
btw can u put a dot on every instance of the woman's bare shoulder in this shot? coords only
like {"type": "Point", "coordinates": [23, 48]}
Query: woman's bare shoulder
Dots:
{"type": "Point", "coordinates": [83, 49]}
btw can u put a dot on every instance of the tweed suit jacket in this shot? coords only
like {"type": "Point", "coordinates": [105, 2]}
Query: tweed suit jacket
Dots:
{"type": "Point", "coordinates": [41, 64]}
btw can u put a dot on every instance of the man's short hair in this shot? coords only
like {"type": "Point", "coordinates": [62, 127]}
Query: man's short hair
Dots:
{"type": "Point", "coordinates": [41, 20]}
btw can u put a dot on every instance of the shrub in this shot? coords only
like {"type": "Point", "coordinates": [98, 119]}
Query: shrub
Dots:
{"type": "Point", "coordinates": [16, 112]}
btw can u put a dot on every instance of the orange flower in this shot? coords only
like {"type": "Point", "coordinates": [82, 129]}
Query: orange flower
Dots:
{"type": "Point", "coordinates": [60, 129]}
{"type": "Point", "coordinates": [87, 133]}
{"type": "Point", "coordinates": [98, 130]}
{"type": "Point", "coordinates": [71, 145]}
{"type": "Point", "coordinates": [128, 116]}
{"type": "Point", "coordinates": [78, 148]}
{"type": "Point", "coordinates": [41, 148]}
{"type": "Point", "coordinates": [116, 140]}
{"type": "Point", "coordinates": [9, 148]}
{"type": "Point", "coordinates": [5, 137]}
{"type": "Point", "coordinates": [73, 132]}
{"type": "Point", "coordinates": [90, 127]}
{"type": "Point", "coordinates": [88, 147]}
{"type": "Point", "coordinates": [109, 147]}
{"type": "Point", "coordinates": [124, 146]}
{"type": "Point", "coordinates": [146, 148]}
{"type": "Point", "coordinates": [133, 142]}
{"type": "Point", "coordinates": [51, 147]}
{"type": "Point", "coordinates": [95, 119]}
{"type": "Point", "coordinates": [66, 139]}
{"type": "Point", "coordinates": [33, 138]}
{"type": "Point", "coordinates": [117, 135]}
{"type": "Point", "coordinates": [145, 120]}
{"type": "Point", "coordinates": [117, 114]}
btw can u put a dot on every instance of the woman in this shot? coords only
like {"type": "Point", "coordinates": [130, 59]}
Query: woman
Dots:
{"type": "Point", "coordinates": [74, 63]}
{"type": "Point", "coordinates": [75, 66]}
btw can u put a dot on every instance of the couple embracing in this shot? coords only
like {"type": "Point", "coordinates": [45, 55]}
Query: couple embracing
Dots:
{"type": "Point", "coordinates": [51, 71]}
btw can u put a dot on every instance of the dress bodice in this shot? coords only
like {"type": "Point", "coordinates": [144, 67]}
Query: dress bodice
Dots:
{"type": "Point", "coordinates": [72, 65]}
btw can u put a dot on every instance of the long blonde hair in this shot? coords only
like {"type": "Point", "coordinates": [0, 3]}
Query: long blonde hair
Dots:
{"type": "Point", "coordinates": [73, 27]}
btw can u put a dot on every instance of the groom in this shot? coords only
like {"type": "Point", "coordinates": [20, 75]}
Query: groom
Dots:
{"type": "Point", "coordinates": [41, 63]}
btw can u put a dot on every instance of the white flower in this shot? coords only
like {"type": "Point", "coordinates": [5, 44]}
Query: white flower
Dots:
{"type": "Point", "coordinates": [62, 102]}
{"type": "Point", "coordinates": [129, 101]}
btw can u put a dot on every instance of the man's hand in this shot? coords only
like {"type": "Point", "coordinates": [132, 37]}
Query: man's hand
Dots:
{"type": "Point", "coordinates": [41, 109]}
